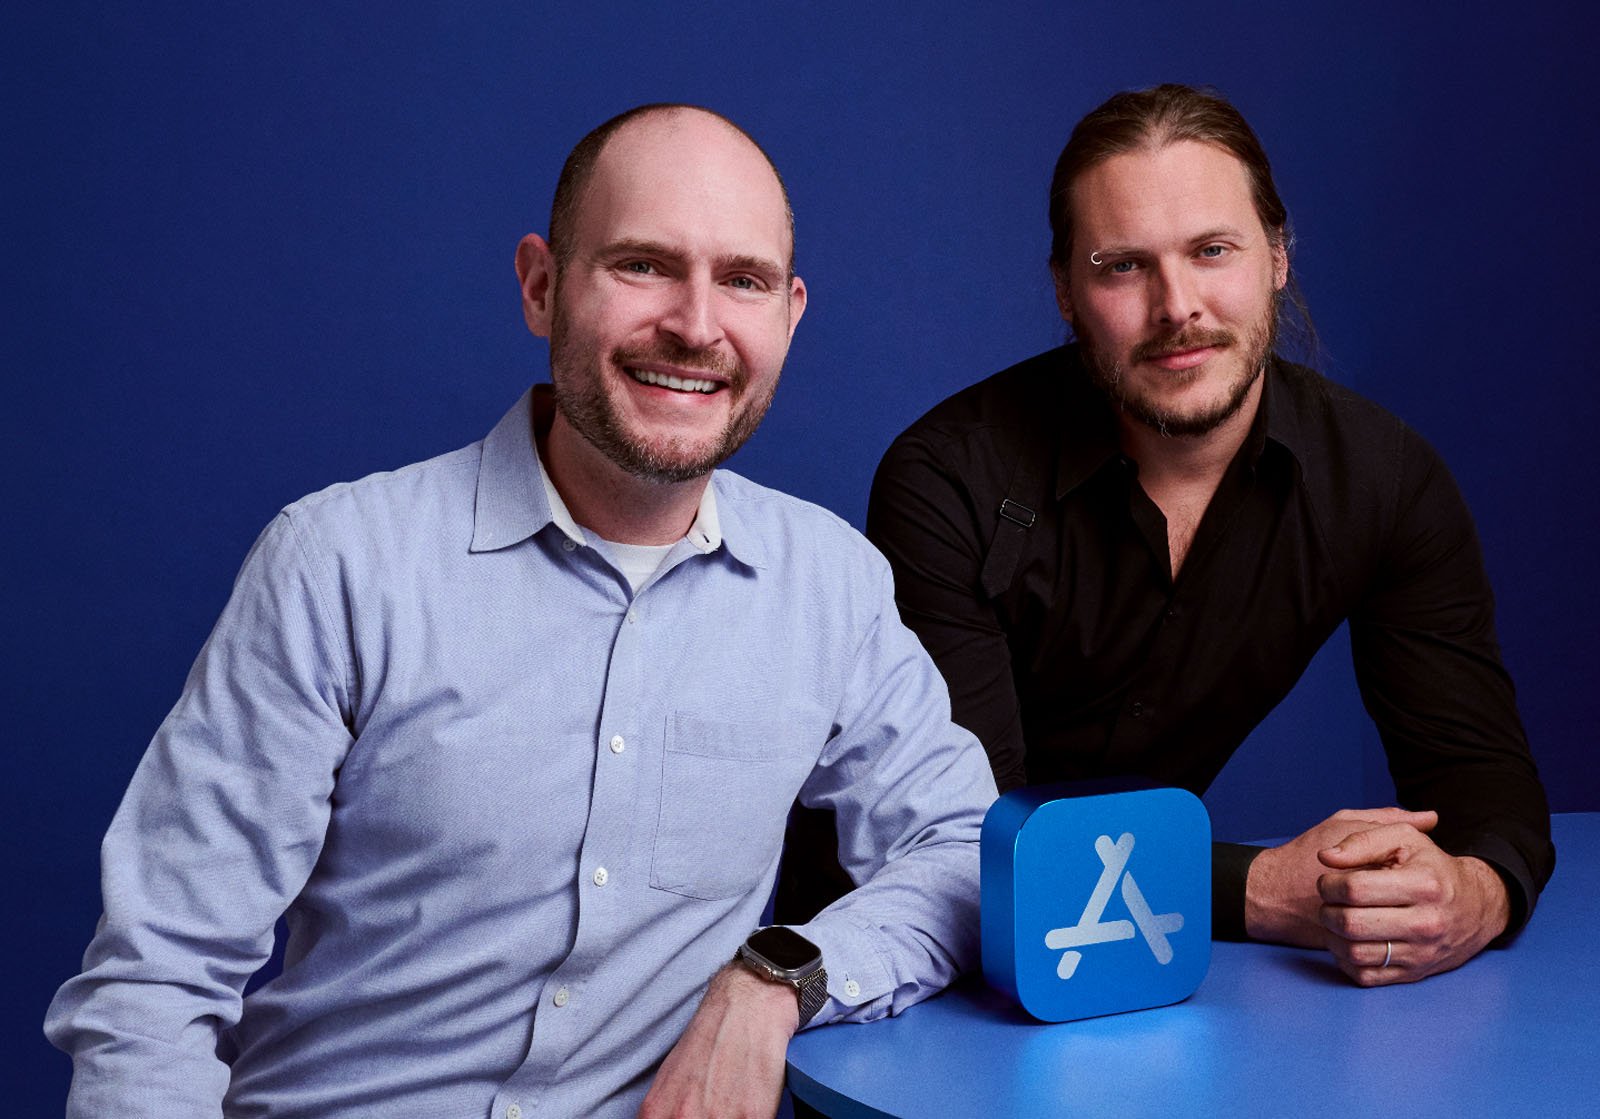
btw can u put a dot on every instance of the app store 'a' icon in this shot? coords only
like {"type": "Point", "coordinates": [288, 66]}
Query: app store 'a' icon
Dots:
{"type": "Point", "coordinates": [1096, 900]}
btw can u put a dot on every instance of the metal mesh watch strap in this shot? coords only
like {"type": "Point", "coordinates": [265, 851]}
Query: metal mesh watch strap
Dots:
{"type": "Point", "coordinates": [813, 993]}
{"type": "Point", "coordinates": [811, 990]}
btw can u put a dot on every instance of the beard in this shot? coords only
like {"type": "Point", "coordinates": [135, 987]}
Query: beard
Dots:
{"type": "Point", "coordinates": [579, 376]}
{"type": "Point", "coordinates": [1251, 355]}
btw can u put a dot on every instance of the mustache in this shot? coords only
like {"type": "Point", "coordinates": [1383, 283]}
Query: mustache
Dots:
{"type": "Point", "coordinates": [688, 358]}
{"type": "Point", "coordinates": [1187, 339]}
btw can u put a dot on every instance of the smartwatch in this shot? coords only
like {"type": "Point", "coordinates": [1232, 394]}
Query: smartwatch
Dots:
{"type": "Point", "coordinates": [784, 956]}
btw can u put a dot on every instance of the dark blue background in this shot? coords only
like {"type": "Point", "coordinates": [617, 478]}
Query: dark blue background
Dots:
{"type": "Point", "coordinates": [253, 251]}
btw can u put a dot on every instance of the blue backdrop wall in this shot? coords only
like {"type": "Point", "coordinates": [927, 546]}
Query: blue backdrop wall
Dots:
{"type": "Point", "coordinates": [251, 252]}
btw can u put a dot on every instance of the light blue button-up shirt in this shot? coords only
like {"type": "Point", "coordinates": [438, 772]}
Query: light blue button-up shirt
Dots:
{"type": "Point", "coordinates": [515, 813]}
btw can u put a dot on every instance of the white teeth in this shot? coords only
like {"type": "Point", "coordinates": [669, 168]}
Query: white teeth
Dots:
{"type": "Point", "coordinates": [668, 381]}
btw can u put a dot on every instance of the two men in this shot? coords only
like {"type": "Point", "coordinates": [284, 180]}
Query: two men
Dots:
{"type": "Point", "coordinates": [509, 736]}
{"type": "Point", "coordinates": [1123, 553]}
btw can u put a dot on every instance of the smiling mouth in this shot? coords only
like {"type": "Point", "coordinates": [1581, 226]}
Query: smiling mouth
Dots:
{"type": "Point", "coordinates": [672, 381]}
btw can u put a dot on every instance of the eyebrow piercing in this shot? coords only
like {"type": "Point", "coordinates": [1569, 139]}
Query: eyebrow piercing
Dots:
{"type": "Point", "coordinates": [1094, 257]}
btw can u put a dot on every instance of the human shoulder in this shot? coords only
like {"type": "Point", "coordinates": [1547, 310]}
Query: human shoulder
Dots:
{"type": "Point", "coordinates": [1343, 440]}
{"type": "Point", "coordinates": [1317, 400]}
{"type": "Point", "coordinates": [774, 517]}
{"type": "Point", "coordinates": [1020, 397]}
{"type": "Point", "coordinates": [811, 553]}
{"type": "Point", "coordinates": [971, 443]}
{"type": "Point", "coordinates": [1382, 498]}
{"type": "Point", "coordinates": [422, 494]}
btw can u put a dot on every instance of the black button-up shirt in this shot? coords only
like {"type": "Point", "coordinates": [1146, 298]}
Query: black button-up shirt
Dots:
{"type": "Point", "coordinates": [1089, 659]}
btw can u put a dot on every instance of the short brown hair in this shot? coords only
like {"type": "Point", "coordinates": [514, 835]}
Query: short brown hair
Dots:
{"type": "Point", "coordinates": [580, 165]}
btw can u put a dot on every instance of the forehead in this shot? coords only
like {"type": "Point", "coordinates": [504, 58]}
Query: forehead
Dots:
{"type": "Point", "coordinates": [1179, 190]}
{"type": "Point", "coordinates": [688, 180]}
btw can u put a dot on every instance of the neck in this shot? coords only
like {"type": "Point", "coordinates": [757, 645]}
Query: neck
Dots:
{"type": "Point", "coordinates": [1191, 459]}
{"type": "Point", "coordinates": [603, 497]}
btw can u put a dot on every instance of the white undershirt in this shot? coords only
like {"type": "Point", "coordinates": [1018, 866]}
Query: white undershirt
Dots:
{"type": "Point", "coordinates": [638, 561]}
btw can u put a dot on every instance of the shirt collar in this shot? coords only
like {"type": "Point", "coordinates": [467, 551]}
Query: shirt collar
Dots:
{"type": "Point", "coordinates": [1279, 421]}
{"type": "Point", "coordinates": [728, 525]}
{"type": "Point", "coordinates": [706, 532]}
{"type": "Point", "coordinates": [511, 504]}
{"type": "Point", "coordinates": [516, 497]}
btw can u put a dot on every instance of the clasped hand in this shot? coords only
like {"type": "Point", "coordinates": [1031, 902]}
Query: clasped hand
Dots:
{"type": "Point", "coordinates": [1371, 887]}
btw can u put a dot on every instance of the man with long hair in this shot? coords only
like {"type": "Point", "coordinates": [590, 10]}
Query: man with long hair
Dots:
{"type": "Point", "coordinates": [1124, 552]}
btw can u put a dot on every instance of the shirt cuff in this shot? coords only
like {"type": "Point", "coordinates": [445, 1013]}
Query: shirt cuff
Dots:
{"type": "Point", "coordinates": [857, 971]}
{"type": "Point", "coordinates": [1230, 868]}
{"type": "Point", "coordinates": [1508, 863]}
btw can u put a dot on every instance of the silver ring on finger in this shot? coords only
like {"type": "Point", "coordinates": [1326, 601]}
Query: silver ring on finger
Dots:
{"type": "Point", "coordinates": [1388, 953]}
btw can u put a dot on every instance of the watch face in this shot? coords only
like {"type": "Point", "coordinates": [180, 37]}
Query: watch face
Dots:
{"type": "Point", "coordinates": [783, 947]}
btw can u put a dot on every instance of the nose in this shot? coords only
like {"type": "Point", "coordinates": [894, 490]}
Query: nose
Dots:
{"type": "Point", "coordinates": [1174, 297]}
{"type": "Point", "coordinates": [691, 314]}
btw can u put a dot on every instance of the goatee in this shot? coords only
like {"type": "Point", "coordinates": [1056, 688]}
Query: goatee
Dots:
{"type": "Point", "coordinates": [579, 377]}
{"type": "Point", "coordinates": [1111, 375]}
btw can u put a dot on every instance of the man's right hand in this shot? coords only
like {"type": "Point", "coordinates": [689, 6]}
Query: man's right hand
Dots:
{"type": "Point", "coordinates": [1282, 902]}
{"type": "Point", "coordinates": [729, 1064]}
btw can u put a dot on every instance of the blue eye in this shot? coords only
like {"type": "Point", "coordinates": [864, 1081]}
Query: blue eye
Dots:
{"type": "Point", "coordinates": [1212, 252]}
{"type": "Point", "coordinates": [639, 267]}
{"type": "Point", "coordinates": [1121, 267]}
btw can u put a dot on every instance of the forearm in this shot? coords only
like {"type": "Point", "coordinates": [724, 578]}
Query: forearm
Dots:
{"type": "Point", "coordinates": [188, 919]}
{"type": "Point", "coordinates": [909, 790]}
{"type": "Point", "coordinates": [130, 1059]}
{"type": "Point", "coordinates": [903, 936]}
{"type": "Point", "coordinates": [142, 1021]}
{"type": "Point", "coordinates": [1500, 818]}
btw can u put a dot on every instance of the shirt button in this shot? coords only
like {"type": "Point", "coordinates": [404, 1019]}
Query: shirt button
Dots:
{"type": "Point", "coordinates": [617, 745]}
{"type": "Point", "coordinates": [1172, 613]}
{"type": "Point", "coordinates": [513, 1112]}
{"type": "Point", "coordinates": [631, 617]}
{"type": "Point", "coordinates": [561, 997]}
{"type": "Point", "coordinates": [1137, 709]}
{"type": "Point", "coordinates": [852, 989]}
{"type": "Point", "coordinates": [569, 545]}
{"type": "Point", "coordinates": [600, 876]}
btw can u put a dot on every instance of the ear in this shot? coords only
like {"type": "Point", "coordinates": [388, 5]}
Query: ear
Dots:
{"type": "Point", "coordinates": [536, 274]}
{"type": "Point", "coordinates": [1280, 261]}
{"type": "Point", "coordinates": [797, 303]}
{"type": "Point", "coordinates": [1058, 272]}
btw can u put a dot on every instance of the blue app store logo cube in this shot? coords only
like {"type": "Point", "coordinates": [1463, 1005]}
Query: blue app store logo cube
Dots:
{"type": "Point", "coordinates": [1096, 897]}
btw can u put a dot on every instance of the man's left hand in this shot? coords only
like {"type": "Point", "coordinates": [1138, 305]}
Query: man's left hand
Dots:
{"type": "Point", "coordinates": [1398, 908]}
{"type": "Point", "coordinates": [729, 1062]}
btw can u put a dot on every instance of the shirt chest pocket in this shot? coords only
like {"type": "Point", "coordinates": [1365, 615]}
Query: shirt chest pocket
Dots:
{"type": "Point", "coordinates": [726, 789]}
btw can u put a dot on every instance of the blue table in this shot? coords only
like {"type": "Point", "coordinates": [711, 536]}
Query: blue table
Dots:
{"type": "Point", "coordinates": [1272, 1031]}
